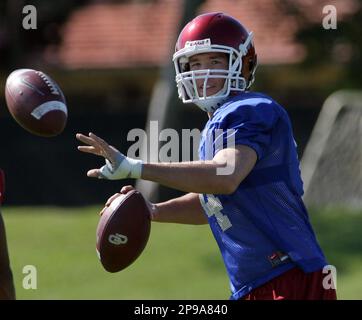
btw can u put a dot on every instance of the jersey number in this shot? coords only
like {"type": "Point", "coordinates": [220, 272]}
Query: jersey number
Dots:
{"type": "Point", "coordinates": [213, 207]}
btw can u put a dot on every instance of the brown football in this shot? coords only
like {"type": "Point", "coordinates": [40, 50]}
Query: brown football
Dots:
{"type": "Point", "coordinates": [123, 231]}
{"type": "Point", "coordinates": [36, 102]}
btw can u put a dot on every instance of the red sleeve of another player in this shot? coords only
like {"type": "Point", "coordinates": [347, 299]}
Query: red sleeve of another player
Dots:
{"type": "Point", "coordinates": [2, 186]}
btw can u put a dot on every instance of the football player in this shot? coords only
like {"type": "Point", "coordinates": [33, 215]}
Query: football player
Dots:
{"type": "Point", "coordinates": [7, 290]}
{"type": "Point", "coordinates": [254, 207]}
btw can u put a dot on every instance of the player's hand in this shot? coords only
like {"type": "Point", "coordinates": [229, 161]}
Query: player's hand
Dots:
{"type": "Point", "coordinates": [151, 206]}
{"type": "Point", "coordinates": [124, 190]}
{"type": "Point", "coordinates": [117, 166]}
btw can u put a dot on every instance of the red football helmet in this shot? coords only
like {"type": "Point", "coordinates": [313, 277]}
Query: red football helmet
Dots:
{"type": "Point", "coordinates": [214, 32]}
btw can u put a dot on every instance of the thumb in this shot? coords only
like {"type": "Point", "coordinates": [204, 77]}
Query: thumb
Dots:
{"type": "Point", "coordinates": [126, 189]}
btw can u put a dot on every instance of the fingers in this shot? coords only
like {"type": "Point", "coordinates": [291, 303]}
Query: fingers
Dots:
{"type": "Point", "coordinates": [102, 144]}
{"type": "Point", "coordinates": [109, 152]}
{"type": "Point", "coordinates": [81, 137]}
{"type": "Point", "coordinates": [99, 140]}
{"type": "Point", "coordinates": [102, 211]}
{"type": "Point", "coordinates": [93, 141]}
{"type": "Point", "coordinates": [108, 203]}
{"type": "Point", "coordinates": [88, 149]}
{"type": "Point", "coordinates": [92, 145]}
{"type": "Point", "coordinates": [153, 210]}
{"type": "Point", "coordinates": [126, 189]}
{"type": "Point", "coordinates": [110, 199]}
{"type": "Point", "coordinates": [94, 173]}
{"type": "Point", "coordinates": [97, 146]}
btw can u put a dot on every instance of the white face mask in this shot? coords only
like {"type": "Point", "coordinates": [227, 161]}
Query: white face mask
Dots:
{"type": "Point", "coordinates": [186, 81]}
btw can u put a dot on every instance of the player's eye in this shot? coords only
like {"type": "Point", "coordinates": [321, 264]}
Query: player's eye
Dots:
{"type": "Point", "coordinates": [195, 65]}
{"type": "Point", "coordinates": [215, 62]}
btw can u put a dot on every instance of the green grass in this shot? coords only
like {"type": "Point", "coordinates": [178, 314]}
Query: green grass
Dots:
{"type": "Point", "coordinates": [340, 234]}
{"type": "Point", "coordinates": [179, 262]}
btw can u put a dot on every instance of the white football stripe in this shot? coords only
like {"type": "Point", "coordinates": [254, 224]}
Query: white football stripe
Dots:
{"type": "Point", "coordinates": [46, 107]}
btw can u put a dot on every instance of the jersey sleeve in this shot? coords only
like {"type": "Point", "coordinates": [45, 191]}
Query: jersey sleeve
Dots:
{"type": "Point", "coordinates": [246, 125]}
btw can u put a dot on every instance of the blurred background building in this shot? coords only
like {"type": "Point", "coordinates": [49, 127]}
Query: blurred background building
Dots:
{"type": "Point", "coordinates": [109, 56]}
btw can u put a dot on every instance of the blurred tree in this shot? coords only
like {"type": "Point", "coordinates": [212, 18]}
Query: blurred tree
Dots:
{"type": "Point", "coordinates": [340, 47]}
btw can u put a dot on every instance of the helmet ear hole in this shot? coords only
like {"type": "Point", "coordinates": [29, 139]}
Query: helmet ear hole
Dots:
{"type": "Point", "coordinates": [185, 67]}
{"type": "Point", "coordinates": [252, 63]}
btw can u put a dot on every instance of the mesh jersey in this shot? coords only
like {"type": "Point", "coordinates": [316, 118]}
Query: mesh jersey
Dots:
{"type": "Point", "coordinates": [265, 215]}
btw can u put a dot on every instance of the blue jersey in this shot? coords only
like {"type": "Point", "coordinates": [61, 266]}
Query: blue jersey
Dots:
{"type": "Point", "coordinates": [262, 229]}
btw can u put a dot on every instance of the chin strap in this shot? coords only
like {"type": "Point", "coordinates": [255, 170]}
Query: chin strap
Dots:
{"type": "Point", "coordinates": [210, 105]}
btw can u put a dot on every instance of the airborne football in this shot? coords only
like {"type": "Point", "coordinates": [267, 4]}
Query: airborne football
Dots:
{"type": "Point", "coordinates": [36, 102]}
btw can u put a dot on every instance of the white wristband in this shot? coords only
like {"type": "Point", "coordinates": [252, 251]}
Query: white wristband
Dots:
{"type": "Point", "coordinates": [124, 168]}
{"type": "Point", "coordinates": [136, 168]}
